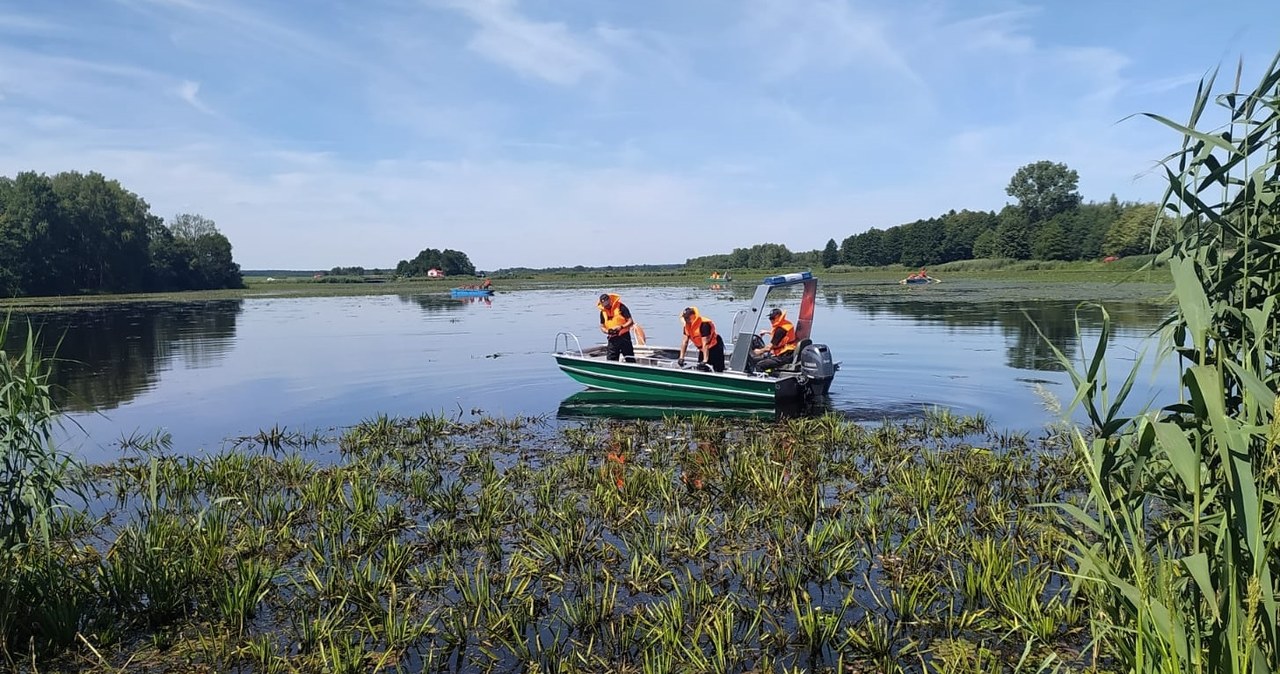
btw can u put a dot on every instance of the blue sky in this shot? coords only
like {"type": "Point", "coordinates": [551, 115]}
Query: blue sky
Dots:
{"type": "Point", "coordinates": [319, 133]}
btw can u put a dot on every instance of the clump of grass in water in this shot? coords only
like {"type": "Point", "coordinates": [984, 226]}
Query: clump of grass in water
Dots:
{"type": "Point", "coordinates": [38, 604]}
{"type": "Point", "coordinates": [1178, 542]}
{"type": "Point", "coordinates": [813, 544]}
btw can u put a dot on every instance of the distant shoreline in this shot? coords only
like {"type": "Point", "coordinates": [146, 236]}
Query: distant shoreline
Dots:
{"type": "Point", "coordinates": [1136, 283]}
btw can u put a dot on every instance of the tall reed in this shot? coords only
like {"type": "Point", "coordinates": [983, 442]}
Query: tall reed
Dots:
{"type": "Point", "coordinates": [36, 603]}
{"type": "Point", "coordinates": [1179, 544]}
{"type": "Point", "coordinates": [32, 471]}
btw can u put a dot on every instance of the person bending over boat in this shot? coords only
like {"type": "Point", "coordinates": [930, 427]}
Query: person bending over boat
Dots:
{"type": "Point", "coordinates": [782, 344]}
{"type": "Point", "coordinates": [702, 332]}
{"type": "Point", "coordinates": [616, 324]}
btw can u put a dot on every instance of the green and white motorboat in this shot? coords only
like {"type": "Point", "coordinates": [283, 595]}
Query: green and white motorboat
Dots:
{"type": "Point", "coordinates": [658, 375]}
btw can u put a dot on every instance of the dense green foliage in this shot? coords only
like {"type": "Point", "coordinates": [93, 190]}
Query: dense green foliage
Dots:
{"type": "Point", "coordinates": [761, 256]}
{"type": "Point", "coordinates": [1044, 189]}
{"type": "Point", "coordinates": [73, 233]}
{"type": "Point", "coordinates": [830, 254]}
{"type": "Point", "coordinates": [1178, 546]}
{"type": "Point", "coordinates": [451, 262]}
{"type": "Point", "coordinates": [1048, 223]}
{"type": "Point", "coordinates": [357, 271]}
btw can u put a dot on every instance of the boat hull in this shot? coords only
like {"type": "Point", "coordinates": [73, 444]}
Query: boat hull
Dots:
{"type": "Point", "coordinates": [597, 403]}
{"type": "Point", "coordinates": [471, 292]}
{"type": "Point", "coordinates": [667, 383]}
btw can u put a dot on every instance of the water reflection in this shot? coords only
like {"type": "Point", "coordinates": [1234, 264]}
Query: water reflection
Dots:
{"type": "Point", "coordinates": [596, 403]}
{"type": "Point", "coordinates": [593, 403]}
{"type": "Point", "coordinates": [106, 356]}
{"type": "Point", "coordinates": [433, 302]}
{"type": "Point", "coordinates": [1025, 346]}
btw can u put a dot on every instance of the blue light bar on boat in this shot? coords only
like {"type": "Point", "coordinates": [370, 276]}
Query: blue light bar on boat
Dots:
{"type": "Point", "coordinates": [788, 278]}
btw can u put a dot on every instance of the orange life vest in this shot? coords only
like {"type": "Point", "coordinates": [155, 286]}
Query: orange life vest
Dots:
{"type": "Point", "coordinates": [788, 343]}
{"type": "Point", "coordinates": [613, 317]}
{"type": "Point", "coordinates": [693, 329]}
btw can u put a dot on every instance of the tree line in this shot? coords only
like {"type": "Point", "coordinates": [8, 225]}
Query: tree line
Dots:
{"type": "Point", "coordinates": [1049, 222]}
{"type": "Point", "coordinates": [451, 262]}
{"type": "Point", "coordinates": [75, 233]}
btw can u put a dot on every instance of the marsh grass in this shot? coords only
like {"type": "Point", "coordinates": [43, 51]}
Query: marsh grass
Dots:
{"type": "Point", "coordinates": [675, 545]}
{"type": "Point", "coordinates": [1177, 544]}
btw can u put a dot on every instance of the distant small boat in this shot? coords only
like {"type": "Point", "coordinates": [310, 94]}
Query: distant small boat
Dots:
{"type": "Point", "coordinates": [470, 292]}
{"type": "Point", "coordinates": [919, 280]}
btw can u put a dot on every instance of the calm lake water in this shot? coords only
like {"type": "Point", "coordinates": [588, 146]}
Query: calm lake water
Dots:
{"type": "Point", "coordinates": [210, 372]}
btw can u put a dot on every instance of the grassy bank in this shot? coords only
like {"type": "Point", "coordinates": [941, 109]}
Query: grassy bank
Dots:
{"type": "Point", "coordinates": [1122, 279]}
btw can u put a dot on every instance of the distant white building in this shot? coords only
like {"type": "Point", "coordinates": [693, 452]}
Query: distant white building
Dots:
{"type": "Point", "coordinates": [435, 273]}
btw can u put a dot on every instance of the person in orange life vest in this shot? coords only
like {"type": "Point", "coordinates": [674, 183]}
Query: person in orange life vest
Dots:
{"type": "Point", "coordinates": [782, 345]}
{"type": "Point", "coordinates": [486, 284]}
{"type": "Point", "coordinates": [702, 333]}
{"type": "Point", "coordinates": [616, 324]}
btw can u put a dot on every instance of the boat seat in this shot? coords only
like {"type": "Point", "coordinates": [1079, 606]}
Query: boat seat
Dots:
{"type": "Point", "coordinates": [794, 365]}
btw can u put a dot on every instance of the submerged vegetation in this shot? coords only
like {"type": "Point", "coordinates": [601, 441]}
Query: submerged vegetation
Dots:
{"type": "Point", "coordinates": [498, 544]}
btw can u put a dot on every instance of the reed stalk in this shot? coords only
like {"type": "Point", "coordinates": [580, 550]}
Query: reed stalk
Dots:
{"type": "Point", "coordinates": [1178, 541]}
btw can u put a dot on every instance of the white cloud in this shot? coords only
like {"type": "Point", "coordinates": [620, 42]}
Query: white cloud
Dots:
{"type": "Point", "coordinates": [190, 92]}
{"type": "Point", "coordinates": [546, 50]}
{"type": "Point", "coordinates": [831, 34]}
{"type": "Point", "coordinates": [1001, 32]}
{"type": "Point", "coordinates": [365, 132]}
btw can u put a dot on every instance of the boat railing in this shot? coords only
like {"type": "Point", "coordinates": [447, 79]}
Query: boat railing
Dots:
{"type": "Point", "coordinates": [740, 318]}
{"type": "Point", "coordinates": [744, 328]}
{"type": "Point", "coordinates": [562, 338]}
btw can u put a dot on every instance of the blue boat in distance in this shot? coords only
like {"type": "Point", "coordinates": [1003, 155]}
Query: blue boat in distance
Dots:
{"type": "Point", "coordinates": [470, 292]}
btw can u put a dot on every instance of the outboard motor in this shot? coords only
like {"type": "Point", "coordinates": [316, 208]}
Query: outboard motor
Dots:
{"type": "Point", "coordinates": [816, 369]}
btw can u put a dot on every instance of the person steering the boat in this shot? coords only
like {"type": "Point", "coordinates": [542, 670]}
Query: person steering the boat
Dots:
{"type": "Point", "coordinates": [782, 345]}
{"type": "Point", "coordinates": [616, 324]}
{"type": "Point", "coordinates": [702, 333]}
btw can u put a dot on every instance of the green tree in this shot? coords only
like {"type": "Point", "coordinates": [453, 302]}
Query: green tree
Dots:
{"type": "Point", "coordinates": [1013, 235]}
{"type": "Point", "coordinates": [170, 260]}
{"type": "Point", "coordinates": [12, 257]}
{"type": "Point", "coordinates": [456, 262]}
{"type": "Point", "coordinates": [768, 256]}
{"type": "Point", "coordinates": [37, 236]}
{"type": "Point", "coordinates": [190, 226]}
{"type": "Point", "coordinates": [830, 254]}
{"type": "Point", "coordinates": [1044, 189]}
{"type": "Point", "coordinates": [111, 232]}
{"type": "Point", "coordinates": [451, 262]}
{"type": "Point", "coordinates": [1131, 233]}
{"type": "Point", "coordinates": [984, 247]}
{"type": "Point", "coordinates": [213, 264]}
{"type": "Point", "coordinates": [922, 242]}
{"type": "Point", "coordinates": [890, 250]}
{"type": "Point", "coordinates": [863, 250]}
{"type": "Point", "coordinates": [79, 232]}
{"type": "Point", "coordinates": [208, 251]}
{"type": "Point", "coordinates": [962, 231]}
{"type": "Point", "coordinates": [1050, 242]}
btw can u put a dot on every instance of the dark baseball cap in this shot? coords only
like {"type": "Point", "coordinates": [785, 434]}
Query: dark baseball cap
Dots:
{"type": "Point", "coordinates": [688, 311]}
{"type": "Point", "coordinates": [775, 312]}
{"type": "Point", "coordinates": [604, 297]}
